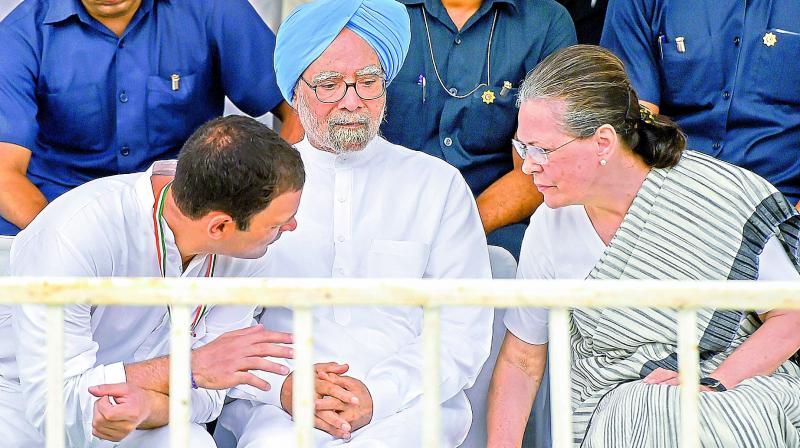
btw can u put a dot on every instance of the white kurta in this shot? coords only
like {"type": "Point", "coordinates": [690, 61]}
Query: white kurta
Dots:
{"type": "Point", "coordinates": [385, 211]}
{"type": "Point", "coordinates": [101, 229]}
{"type": "Point", "coordinates": [544, 256]}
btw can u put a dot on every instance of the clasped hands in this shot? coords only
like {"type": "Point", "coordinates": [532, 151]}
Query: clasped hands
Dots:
{"type": "Point", "coordinates": [223, 363]}
{"type": "Point", "coordinates": [120, 410]}
{"type": "Point", "coordinates": [343, 404]}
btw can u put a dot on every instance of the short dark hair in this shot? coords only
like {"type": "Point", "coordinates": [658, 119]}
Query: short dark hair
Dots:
{"type": "Point", "coordinates": [236, 165]}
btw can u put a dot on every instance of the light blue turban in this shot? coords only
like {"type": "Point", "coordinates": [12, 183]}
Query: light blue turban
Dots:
{"type": "Point", "coordinates": [311, 28]}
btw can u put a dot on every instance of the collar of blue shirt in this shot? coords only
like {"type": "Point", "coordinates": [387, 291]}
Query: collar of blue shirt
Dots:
{"type": "Point", "coordinates": [60, 10]}
{"type": "Point", "coordinates": [430, 4]}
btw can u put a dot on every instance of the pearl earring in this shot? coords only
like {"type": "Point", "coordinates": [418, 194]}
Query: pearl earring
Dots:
{"type": "Point", "coordinates": [603, 162]}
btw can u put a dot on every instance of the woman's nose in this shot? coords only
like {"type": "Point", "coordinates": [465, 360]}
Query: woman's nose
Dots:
{"type": "Point", "coordinates": [529, 166]}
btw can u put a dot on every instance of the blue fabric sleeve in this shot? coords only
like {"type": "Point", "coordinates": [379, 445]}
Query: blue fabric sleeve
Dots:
{"type": "Point", "coordinates": [628, 33]}
{"type": "Point", "coordinates": [560, 35]}
{"type": "Point", "coordinates": [245, 46]}
{"type": "Point", "coordinates": [18, 106]}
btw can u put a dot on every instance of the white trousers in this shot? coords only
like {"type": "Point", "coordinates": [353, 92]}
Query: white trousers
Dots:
{"type": "Point", "coordinates": [14, 428]}
{"type": "Point", "coordinates": [267, 426]}
{"type": "Point", "coordinates": [15, 431]}
{"type": "Point", "coordinates": [159, 437]}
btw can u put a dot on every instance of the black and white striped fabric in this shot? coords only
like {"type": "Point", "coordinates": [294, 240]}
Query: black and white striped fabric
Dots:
{"type": "Point", "coordinates": [700, 220]}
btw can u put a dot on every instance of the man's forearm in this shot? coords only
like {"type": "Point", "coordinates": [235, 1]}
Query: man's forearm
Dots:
{"type": "Point", "coordinates": [291, 129]}
{"type": "Point", "coordinates": [159, 410]}
{"type": "Point", "coordinates": [20, 200]}
{"type": "Point", "coordinates": [151, 375]}
{"type": "Point", "coordinates": [508, 200]}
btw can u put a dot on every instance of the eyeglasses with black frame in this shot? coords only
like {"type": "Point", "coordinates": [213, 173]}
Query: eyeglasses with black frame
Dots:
{"type": "Point", "coordinates": [367, 87]}
{"type": "Point", "coordinates": [538, 154]}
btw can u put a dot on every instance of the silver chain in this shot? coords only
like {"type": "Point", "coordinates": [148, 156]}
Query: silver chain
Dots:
{"type": "Point", "coordinates": [488, 58]}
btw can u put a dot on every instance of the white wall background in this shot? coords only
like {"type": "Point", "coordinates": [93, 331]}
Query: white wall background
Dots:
{"type": "Point", "coordinates": [6, 6]}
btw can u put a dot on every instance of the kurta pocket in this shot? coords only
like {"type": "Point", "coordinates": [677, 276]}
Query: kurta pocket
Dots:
{"type": "Point", "coordinates": [397, 259]}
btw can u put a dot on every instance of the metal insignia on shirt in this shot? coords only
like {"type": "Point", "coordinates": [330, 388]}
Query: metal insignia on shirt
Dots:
{"type": "Point", "coordinates": [680, 44]}
{"type": "Point", "coordinates": [488, 97]}
{"type": "Point", "coordinates": [770, 39]}
{"type": "Point", "coordinates": [507, 86]}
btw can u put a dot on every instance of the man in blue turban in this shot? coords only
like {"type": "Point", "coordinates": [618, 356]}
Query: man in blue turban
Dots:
{"type": "Point", "coordinates": [312, 27]}
{"type": "Point", "coordinates": [370, 209]}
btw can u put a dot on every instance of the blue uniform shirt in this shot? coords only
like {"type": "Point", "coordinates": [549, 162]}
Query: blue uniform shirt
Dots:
{"type": "Point", "coordinates": [733, 89]}
{"type": "Point", "coordinates": [89, 104]}
{"type": "Point", "coordinates": [473, 136]}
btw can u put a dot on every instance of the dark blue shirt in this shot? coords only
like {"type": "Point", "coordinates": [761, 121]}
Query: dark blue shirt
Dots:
{"type": "Point", "coordinates": [89, 104]}
{"type": "Point", "coordinates": [473, 136]}
{"type": "Point", "coordinates": [734, 90]}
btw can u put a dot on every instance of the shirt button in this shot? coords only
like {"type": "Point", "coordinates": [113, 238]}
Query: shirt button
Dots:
{"type": "Point", "coordinates": [453, 91]}
{"type": "Point", "coordinates": [448, 141]}
{"type": "Point", "coordinates": [341, 199]}
{"type": "Point", "coordinates": [340, 238]}
{"type": "Point", "coordinates": [726, 94]}
{"type": "Point", "coordinates": [121, 44]}
{"type": "Point", "coordinates": [125, 151]}
{"type": "Point", "coordinates": [458, 40]}
{"type": "Point", "coordinates": [737, 40]}
{"type": "Point", "coordinates": [717, 145]}
{"type": "Point", "coordinates": [123, 97]}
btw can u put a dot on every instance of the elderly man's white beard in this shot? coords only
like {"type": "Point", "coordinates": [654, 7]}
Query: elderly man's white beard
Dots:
{"type": "Point", "coordinates": [331, 136]}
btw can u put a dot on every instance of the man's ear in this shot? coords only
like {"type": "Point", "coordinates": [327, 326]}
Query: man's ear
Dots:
{"type": "Point", "coordinates": [607, 141]}
{"type": "Point", "coordinates": [295, 95]}
{"type": "Point", "coordinates": [219, 224]}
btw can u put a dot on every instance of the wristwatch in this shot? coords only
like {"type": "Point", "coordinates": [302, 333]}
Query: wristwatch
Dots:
{"type": "Point", "coordinates": [713, 383]}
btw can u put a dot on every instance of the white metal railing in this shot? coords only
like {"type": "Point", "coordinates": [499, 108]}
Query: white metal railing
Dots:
{"type": "Point", "coordinates": [304, 294]}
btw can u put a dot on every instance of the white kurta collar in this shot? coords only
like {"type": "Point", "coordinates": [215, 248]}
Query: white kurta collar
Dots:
{"type": "Point", "coordinates": [144, 193]}
{"type": "Point", "coordinates": [146, 199]}
{"type": "Point", "coordinates": [333, 161]}
{"type": "Point", "coordinates": [144, 188]}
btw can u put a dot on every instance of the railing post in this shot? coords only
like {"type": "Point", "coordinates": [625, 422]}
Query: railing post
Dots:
{"type": "Point", "coordinates": [689, 373]}
{"type": "Point", "coordinates": [303, 376]}
{"type": "Point", "coordinates": [432, 423]}
{"type": "Point", "coordinates": [179, 376]}
{"type": "Point", "coordinates": [54, 425]}
{"type": "Point", "coordinates": [560, 378]}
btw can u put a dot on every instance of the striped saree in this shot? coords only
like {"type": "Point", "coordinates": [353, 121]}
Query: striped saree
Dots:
{"type": "Point", "coordinates": [702, 219]}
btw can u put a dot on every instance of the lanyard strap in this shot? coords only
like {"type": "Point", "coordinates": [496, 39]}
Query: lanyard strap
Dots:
{"type": "Point", "coordinates": [161, 252]}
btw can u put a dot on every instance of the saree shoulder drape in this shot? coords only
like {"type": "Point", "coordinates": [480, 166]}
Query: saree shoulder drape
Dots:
{"type": "Point", "coordinates": [700, 220]}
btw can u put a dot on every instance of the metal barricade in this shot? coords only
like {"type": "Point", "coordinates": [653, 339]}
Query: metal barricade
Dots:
{"type": "Point", "coordinates": [560, 296]}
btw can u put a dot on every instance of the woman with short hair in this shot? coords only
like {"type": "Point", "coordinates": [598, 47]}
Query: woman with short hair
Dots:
{"type": "Point", "coordinates": [625, 200]}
